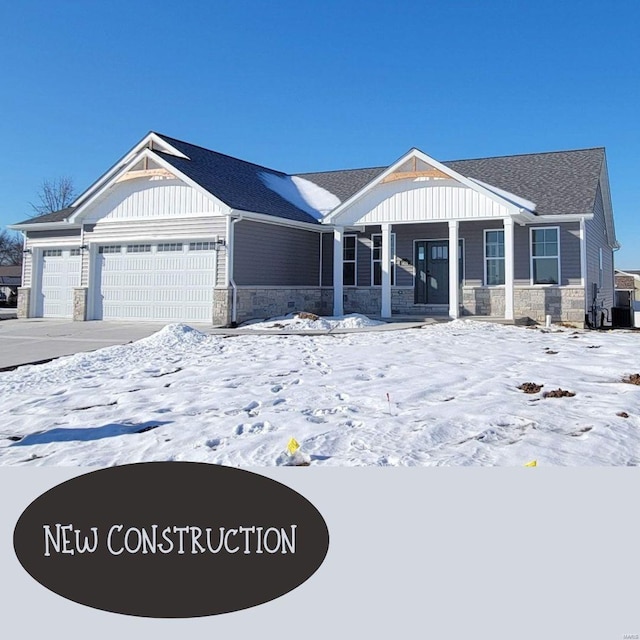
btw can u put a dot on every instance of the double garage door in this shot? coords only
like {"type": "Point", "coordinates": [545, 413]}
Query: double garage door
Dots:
{"type": "Point", "coordinates": [165, 282]}
{"type": "Point", "coordinates": [170, 282]}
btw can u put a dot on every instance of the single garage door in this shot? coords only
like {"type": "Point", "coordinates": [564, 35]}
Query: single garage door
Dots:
{"type": "Point", "coordinates": [170, 282]}
{"type": "Point", "coordinates": [60, 274]}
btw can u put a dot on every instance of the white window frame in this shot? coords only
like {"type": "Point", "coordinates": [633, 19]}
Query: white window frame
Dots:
{"type": "Point", "coordinates": [557, 257]}
{"type": "Point", "coordinates": [600, 268]}
{"type": "Point", "coordinates": [392, 259]}
{"type": "Point", "coordinates": [354, 261]}
{"type": "Point", "coordinates": [487, 258]}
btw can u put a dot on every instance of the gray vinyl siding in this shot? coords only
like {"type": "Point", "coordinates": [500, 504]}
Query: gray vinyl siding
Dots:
{"type": "Point", "coordinates": [596, 238]}
{"type": "Point", "coordinates": [274, 255]}
{"type": "Point", "coordinates": [54, 233]}
{"type": "Point", "coordinates": [327, 259]}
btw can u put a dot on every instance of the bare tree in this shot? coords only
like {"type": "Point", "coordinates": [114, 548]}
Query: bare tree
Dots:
{"type": "Point", "coordinates": [54, 195]}
{"type": "Point", "coordinates": [10, 248]}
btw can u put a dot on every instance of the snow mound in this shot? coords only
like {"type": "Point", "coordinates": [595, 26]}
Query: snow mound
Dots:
{"type": "Point", "coordinates": [330, 323]}
{"type": "Point", "coordinates": [302, 193]}
{"type": "Point", "coordinates": [175, 335]}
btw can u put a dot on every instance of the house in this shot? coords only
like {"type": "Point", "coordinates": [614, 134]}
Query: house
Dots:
{"type": "Point", "coordinates": [626, 311]}
{"type": "Point", "coordinates": [176, 232]}
{"type": "Point", "coordinates": [10, 280]}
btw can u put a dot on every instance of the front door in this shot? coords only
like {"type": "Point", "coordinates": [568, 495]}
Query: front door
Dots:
{"type": "Point", "coordinates": [432, 271]}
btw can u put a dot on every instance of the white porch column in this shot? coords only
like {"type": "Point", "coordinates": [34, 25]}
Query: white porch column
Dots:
{"type": "Point", "coordinates": [508, 268]}
{"type": "Point", "coordinates": [338, 255]}
{"type": "Point", "coordinates": [385, 310]}
{"type": "Point", "coordinates": [454, 275]}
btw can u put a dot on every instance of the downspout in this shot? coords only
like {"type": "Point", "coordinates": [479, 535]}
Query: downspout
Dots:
{"type": "Point", "coordinates": [232, 282]}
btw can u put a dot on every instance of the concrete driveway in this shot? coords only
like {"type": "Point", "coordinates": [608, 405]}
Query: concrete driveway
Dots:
{"type": "Point", "coordinates": [41, 339]}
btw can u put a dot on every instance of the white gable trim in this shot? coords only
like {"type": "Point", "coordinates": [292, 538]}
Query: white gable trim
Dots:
{"type": "Point", "coordinates": [337, 213]}
{"type": "Point", "coordinates": [149, 141]}
{"type": "Point", "coordinates": [608, 207]}
{"type": "Point", "coordinates": [81, 211]}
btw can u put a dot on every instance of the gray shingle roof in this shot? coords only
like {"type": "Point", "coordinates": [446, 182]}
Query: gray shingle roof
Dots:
{"type": "Point", "coordinates": [56, 216]}
{"type": "Point", "coordinates": [236, 182]}
{"type": "Point", "coordinates": [559, 182]}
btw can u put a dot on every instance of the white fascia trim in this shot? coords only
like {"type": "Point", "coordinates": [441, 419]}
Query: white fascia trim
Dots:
{"type": "Point", "coordinates": [43, 226]}
{"type": "Point", "coordinates": [416, 153]}
{"type": "Point", "coordinates": [608, 206]}
{"type": "Point", "coordinates": [145, 153]}
{"type": "Point", "coordinates": [283, 222]}
{"type": "Point", "coordinates": [560, 218]}
{"type": "Point", "coordinates": [149, 138]}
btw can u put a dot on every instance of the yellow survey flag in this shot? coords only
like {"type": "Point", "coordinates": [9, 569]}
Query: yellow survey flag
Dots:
{"type": "Point", "coordinates": [293, 446]}
{"type": "Point", "coordinates": [533, 463]}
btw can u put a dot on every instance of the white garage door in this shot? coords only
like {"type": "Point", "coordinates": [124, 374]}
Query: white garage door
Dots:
{"type": "Point", "coordinates": [60, 274]}
{"type": "Point", "coordinates": [166, 282]}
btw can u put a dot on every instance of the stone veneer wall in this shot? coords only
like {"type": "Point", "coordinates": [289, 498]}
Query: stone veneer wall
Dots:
{"type": "Point", "coordinates": [366, 300]}
{"type": "Point", "coordinates": [24, 302]}
{"type": "Point", "coordinates": [267, 302]}
{"type": "Point", "coordinates": [564, 304]}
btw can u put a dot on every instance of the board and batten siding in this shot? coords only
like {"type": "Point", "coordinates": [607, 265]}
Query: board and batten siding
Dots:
{"type": "Point", "coordinates": [596, 239]}
{"type": "Point", "coordinates": [420, 201]}
{"type": "Point", "coordinates": [150, 199]}
{"type": "Point", "coordinates": [275, 255]}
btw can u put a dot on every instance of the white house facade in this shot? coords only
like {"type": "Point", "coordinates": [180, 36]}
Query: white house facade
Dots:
{"type": "Point", "coordinates": [176, 232]}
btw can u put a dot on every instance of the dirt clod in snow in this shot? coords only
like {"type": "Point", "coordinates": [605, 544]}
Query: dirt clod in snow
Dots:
{"type": "Point", "coordinates": [306, 315]}
{"type": "Point", "coordinates": [634, 378]}
{"type": "Point", "coordinates": [558, 393]}
{"type": "Point", "coordinates": [530, 387]}
{"type": "Point", "coordinates": [622, 414]}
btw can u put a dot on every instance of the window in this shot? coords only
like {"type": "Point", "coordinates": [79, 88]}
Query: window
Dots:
{"type": "Point", "coordinates": [600, 269]}
{"type": "Point", "coordinates": [376, 259]}
{"type": "Point", "coordinates": [112, 248]}
{"type": "Point", "coordinates": [202, 246]}
{"type": "Point", "coordinates": [545, 256]}
{"type": "Point", "coordinates": [75, 252]}
{"type": "Point", "coordinates": [170, 246]}
{"type": "Point", "coordinates": [52, 253]}
{"type": "Point", "coordinates": [494, 257]}
{"type": "Point", "coordinates": [138, 248]}
{"type": "Point", "coordinates": [349, 261]}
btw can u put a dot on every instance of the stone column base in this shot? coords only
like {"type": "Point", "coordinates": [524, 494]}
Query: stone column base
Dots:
{"type": "Point", "coordinates": [24, 302]}
{"type": "Point", "coordinates": [80, 304]}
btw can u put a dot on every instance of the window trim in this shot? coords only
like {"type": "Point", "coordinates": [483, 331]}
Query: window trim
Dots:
{"type": "Point", "coordinates": [392, 259]}
{"type": "Point", "coordinates": [354, 261]}
{"type": "Point", "coordinates": [486, 258]}
{"type": "Point", "coordinates": [557, 257]}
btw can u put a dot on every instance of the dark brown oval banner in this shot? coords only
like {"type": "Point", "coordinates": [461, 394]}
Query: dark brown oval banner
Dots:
{"type": "Point", "coordinates": [171, 539]}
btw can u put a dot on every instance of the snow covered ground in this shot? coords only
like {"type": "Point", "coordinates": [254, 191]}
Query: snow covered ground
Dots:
{"type": "Point", "coordinates": [446, 394]}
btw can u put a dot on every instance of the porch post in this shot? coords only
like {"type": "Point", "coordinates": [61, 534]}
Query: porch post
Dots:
{"type": "Point", "coordinates": [385, 310]}
{"type": "Point", "coordinates": [508, 268]}
{"type": "Point", "coordinates": [338, 255]}
{"type": "Point", "coordinates": [454, 281]}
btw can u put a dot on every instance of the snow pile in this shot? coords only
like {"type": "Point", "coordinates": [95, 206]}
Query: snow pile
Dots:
{"type": "Point", "coordinates": [453, 394]}
{"type": "Point", "coordinates": [302, 193]}
{"type": "Point", "coordinates": [306, 322]}
{"type": "Point", "coordinates": [174, 335]}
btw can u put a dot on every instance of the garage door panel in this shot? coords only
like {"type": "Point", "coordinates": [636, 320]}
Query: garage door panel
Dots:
{"type": "Point", "coordinates": [171, 286]}
{"type": "Point", "coordinates": [60, 275]}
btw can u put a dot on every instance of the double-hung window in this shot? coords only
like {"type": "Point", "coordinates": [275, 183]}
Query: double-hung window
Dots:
{"type": "Point", "coordinates": [494, 256]}
{"type": "Point", "coordinates": [376, 259]}
{"type": "Point", "coordinates": [349, 260]}
{"type": "Point", "coordinates": [545, 255]}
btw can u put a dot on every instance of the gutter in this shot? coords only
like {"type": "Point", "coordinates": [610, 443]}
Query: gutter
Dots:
{"type": "Point", "coordinates": [232, 282]}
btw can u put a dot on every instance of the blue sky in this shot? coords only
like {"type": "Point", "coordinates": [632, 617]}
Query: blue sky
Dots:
{"type": "Point", "coordinates": [305, 86]}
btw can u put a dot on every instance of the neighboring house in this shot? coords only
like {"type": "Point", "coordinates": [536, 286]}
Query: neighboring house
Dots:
{"type": "Point", "coordinates": [627, 298]}
{"type": "Point", "coordinates": [10, 280]}
{"type": "Point", "coordinates": [175, 232]}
